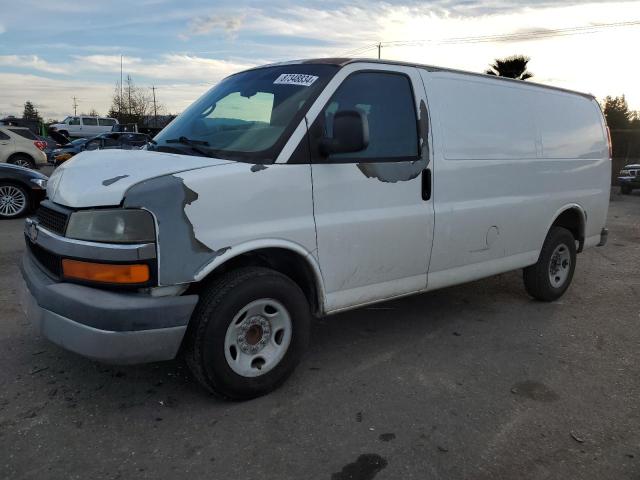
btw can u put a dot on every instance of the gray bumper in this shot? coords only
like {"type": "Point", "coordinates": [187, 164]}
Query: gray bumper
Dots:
{"type": "Point", "coordinates": [112, 327]}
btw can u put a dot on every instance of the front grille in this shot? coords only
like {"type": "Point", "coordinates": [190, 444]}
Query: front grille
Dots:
{"type": "Point", "coordinates": [47, 259]}
{"type": "Point", "coordinates": [52, 220]}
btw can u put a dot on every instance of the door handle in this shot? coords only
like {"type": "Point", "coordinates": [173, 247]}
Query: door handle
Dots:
{"type": "Point", "coordinates": [426, 184]}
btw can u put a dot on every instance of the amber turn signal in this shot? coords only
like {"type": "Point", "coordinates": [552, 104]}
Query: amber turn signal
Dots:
{"type": "Point", "coordinates": [104, 272]}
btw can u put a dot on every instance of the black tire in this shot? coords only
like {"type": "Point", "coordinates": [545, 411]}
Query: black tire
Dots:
{"type": "Point", "coordinates": [6, 188]}
{"type": "Point", "coordinates": [23, 160]}
{"type": "Point", "coordinates": [625, 190]}
{"type": "Point", "coordinates": [220, 302]}
{"type": "Point", "coordinates": [537, 277]}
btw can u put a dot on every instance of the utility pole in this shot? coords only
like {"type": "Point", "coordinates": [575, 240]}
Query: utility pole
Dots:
{"type": "Point", "coordinates": [120, 99]}
{"type": "Point", "coordinates": [155, 109]}
{"type": "Point", "coordinates": [75, 106]}
{"type": "Point", "coordinates": [379, 48]}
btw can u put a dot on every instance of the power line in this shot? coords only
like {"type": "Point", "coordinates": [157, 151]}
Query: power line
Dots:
{"type": "Point", "coordinates": [530, 35]}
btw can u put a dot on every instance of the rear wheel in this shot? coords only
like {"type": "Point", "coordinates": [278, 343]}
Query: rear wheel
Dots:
{"type": "Point", "coordinates": [22, 161]}
{"type": "Point", "coordinates": [14, 200]}
{"type": "Point", "coordinates": [247, 333]}
{"type": "Point", "coordinates": [548, 279]}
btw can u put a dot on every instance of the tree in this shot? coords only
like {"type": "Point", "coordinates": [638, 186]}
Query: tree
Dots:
{"type": "Point", "coordinates": [93, 113]}
{"type": "Point", "coordinates": [617, 112]}
{"type": "Point", "coordinates": [511, 67]}
{"type": "Point", "coordinates": [131, 104]}
{"type": "Point", "coordinates": [30, 112]}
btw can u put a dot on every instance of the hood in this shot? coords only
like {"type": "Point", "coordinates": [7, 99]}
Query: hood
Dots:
{"type": "Point", "coordinates": [102, 177]}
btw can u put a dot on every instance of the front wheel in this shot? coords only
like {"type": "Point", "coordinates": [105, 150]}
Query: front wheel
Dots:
{"type": "Point", "coordinates": [14, 200]}
{"type": "Point", "coordinates": [247, 333]}
{"type": "Point", "coordinates": [549, 278]}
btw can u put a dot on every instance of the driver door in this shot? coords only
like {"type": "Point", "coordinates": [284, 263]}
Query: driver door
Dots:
{"type": "Point", "coordinates": [373, 209]}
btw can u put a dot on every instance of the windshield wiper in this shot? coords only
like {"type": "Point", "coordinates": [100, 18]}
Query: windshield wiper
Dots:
{"type": "Point", "coordinates": [192, 143]}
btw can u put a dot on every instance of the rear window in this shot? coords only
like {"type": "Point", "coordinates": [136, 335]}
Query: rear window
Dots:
{"type": "Point", "coordinates": [107, 122]}
{"type": "Point", "coordinates": [23, 132]}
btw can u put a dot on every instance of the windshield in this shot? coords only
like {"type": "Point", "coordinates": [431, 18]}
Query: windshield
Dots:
{"type": "Point", "coordinates": [248, 116]}
{"type": "Point", "coordinates": [79, 141]}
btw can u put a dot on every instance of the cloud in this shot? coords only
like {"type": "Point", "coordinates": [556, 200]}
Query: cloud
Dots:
{"type": "Point", "coordinates": [207, 24]}
{"type": "Point", "coordinates": [2, 29]}
{"type": "Point", "coordinates": [178, 67]}
{"type": "Point", "coordinates": [31, 61]}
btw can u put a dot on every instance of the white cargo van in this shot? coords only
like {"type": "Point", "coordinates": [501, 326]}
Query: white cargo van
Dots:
{"type": "Point", "coordinates": [85, 126]}
{"type": "Point", "coordinates": [304, 189]}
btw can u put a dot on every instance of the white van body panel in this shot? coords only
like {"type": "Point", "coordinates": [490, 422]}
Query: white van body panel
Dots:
{"type": "Point", "coordinates": [374, 234]}
{"type": "Point", "coordinates": [271, 216]}
{"type": "Point", "coordinates": [101, 177]}
{"type": "Point", "coordinates": [508, 159]}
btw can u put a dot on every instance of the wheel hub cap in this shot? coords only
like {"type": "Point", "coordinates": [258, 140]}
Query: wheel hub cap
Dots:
{"type": "Point", "coordinates": [258, 337]}
{"type": "Point", "coordinates": [559, 266]}
{"type": "Point", "coordinates": [253, 334]}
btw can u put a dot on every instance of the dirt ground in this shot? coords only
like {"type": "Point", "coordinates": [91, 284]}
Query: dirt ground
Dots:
{"type": "Point", "coordinates": [472, 382]}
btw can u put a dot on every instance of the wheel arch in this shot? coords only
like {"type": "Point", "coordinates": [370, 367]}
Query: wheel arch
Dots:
{"type": "Point", "coordinates": [574, 218]}
{"type": "Point", "coordinates": [288, 258]}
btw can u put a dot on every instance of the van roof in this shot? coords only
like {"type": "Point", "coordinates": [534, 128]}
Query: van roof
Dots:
{"type": "Point", "coordinates": [341, 62]}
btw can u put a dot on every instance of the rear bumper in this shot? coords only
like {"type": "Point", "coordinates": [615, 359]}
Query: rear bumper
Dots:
{"type": "Point", "coordinates": [112, 327]}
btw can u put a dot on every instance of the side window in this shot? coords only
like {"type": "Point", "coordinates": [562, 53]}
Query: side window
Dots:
{"type": "Point", "coordinates": [107, 122]}
{"type": "Point", "coordinates": [4, 136]}
{"type": "Point", "coordinates": [90, 121]}
{"type": "Point", "coordinates": [386, 99]}
{"type": "Point", "coordinates": [23, 132]}
{"type": "Point", "coordinates": [74, 121]}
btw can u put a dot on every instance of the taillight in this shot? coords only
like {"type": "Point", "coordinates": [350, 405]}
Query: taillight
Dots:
{"type": "Point", "coordinates": [40, 144]}
{"type": "Point", "coordinates": [609, 142]}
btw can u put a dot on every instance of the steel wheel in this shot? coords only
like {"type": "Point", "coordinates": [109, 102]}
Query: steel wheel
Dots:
{"type": "Point", "coordinates": [13, 201]}
{"type": "Point", "coordinates": [559, 266]}
{"type": "Point", "coordinates": [258, 337]}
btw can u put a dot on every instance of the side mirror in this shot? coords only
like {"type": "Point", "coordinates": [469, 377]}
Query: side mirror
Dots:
{"type": "Point", "coordinates": [350, 133]}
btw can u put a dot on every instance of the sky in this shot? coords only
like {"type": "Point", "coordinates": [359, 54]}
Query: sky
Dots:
{"type": "Point", "coordinates": [51, 51]}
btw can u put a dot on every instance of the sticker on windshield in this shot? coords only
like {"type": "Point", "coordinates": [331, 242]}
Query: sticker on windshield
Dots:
{"type": "Point", "coordinates": [295, 79]}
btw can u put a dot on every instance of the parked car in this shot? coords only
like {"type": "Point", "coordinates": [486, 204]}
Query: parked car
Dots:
{"type": "Point", "coordinates": [106, 141]}
{"type": "Point", "coordinates": [65, 152]}
{"type": "Point", "coordinates": [629, 178]}
{"type": "Point", "coordinates": [20, 146]}
{"type": "Point", "coordinates": [85, 126]}
{"type": "Point", "coordinates": [21, 190]}
{"type": "Point", "coordinates": [310, 188]}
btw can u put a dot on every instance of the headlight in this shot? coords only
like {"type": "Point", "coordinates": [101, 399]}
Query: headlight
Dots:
{"type": "Point", "coordinates": [113, 226]}
{"type": "Point", "coordinates": [41, 182]}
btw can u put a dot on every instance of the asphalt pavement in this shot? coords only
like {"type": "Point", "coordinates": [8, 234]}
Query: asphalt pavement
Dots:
{"type": "Point", "coordinates": [476, 381]}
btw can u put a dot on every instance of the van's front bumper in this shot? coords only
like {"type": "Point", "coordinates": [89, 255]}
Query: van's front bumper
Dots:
{"type": "Point", "coordinates": [112, 327]}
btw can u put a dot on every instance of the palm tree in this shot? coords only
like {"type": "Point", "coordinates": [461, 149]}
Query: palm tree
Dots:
{"type": "Point", "coordinates": [511, 67]}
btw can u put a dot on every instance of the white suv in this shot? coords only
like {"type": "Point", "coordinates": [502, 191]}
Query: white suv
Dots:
{"type": "Point", "coordinates": [20, 146]}
{"type": "Point", "coordinates": [85, 126]}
